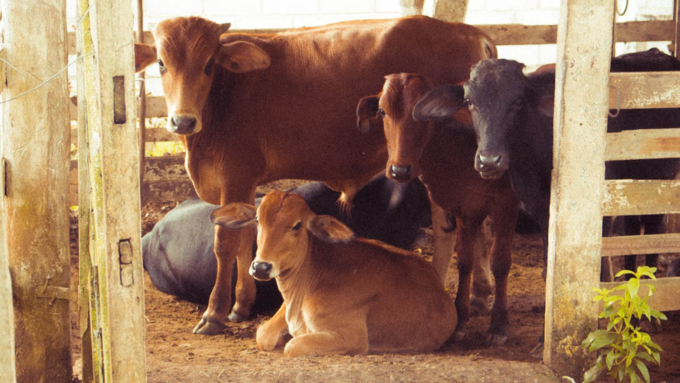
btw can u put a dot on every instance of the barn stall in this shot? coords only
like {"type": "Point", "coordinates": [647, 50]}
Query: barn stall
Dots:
{"type": "Point", "coordinates": [116, 310]}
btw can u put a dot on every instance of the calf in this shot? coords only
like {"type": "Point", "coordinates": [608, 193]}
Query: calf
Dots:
{"type": "Point", "coordinates": [251, 109]}
{"type": "Point", "coordinates": [512, 117]}
{"type": "Point", "coordinates": [342, 295]}
{"type": "Point", "coordinates": [442, 158]}
{"type": "Point", "coordinates": [178, 252]}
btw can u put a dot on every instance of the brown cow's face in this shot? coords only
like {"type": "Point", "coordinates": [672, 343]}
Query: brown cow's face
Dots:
{"type": "Point", "coordinates": [286, 226]}
{"type": "Point", "coordinates": [187, 51]}
{"type": "Point", "coordinates": [406, 138]}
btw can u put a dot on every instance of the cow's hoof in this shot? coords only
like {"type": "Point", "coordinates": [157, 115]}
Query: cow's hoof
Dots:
{"type": "Point", "coordinates": [207, 327]}
{"type": "Point", "coordinates": [496, 339]}
{"type": "Point", "coordinates": [459, 335]}
{"type": "Point", "coordinates": [236, 317]}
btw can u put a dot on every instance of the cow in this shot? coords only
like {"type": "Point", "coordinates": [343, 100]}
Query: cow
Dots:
{"type": "Point", "coordinates": [179, 251]}
{"type": "Point", "coordinates": [253, 108]}
{"type": "Point", "coordinates": [513, 119]}
{"type": "Point", "coordinates": [342, 294]}
{"type": "Point", "coordinates": [442, 157]}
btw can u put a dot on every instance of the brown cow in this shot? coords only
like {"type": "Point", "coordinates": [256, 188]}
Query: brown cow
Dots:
{"type": "Point", "coordinates": [255, 108]}
{"type": "Point", "coordinates": [443, 158]}
{"type": "Point", "coordinates": [341, 295]}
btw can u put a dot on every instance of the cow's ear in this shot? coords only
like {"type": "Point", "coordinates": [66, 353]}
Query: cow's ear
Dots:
{"type": "Point", "coordinates": [224, 27]}
{"type": "Point", "coordinates": [329, 229]}
{"type": "Point", "coordinates": [367, 114]}
{"type": "Point", "coordinates": [545, 104]}
{"type": "Point", "coordinates": [145, 55]}
{"type": "Point", "coordinates": [242, 57]}
{"type": "Point", "coordinates": [234, 216]}
{"type": "Point", "coordinates": [440, 103]}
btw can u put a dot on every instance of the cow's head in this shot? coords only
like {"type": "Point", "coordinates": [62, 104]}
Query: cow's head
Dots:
{"type": "Point", "coordinates": [286, 227]}
{"type": "Point", "coordinates": [496, 95]}
{"type": "Point", "coordinates": [406, 138]}
{"type": "Point", "coordinates": [187, 51]}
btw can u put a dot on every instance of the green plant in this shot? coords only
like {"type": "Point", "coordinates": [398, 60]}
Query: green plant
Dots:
{"type": "Point", "coordinates": [623, 347]}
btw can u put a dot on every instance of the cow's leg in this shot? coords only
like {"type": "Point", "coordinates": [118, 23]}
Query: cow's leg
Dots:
{"type": "Point", "coordinates": [230, 245]}
{"type": "Point", "coordinates": [504, 219]}
{"type": "Point", "coordinates": [444, 238]}
{"type": "Point", "coordinates": [467, 235]}
{"type": "Point", "coordinates": [272, 333]}
{"type": "Point", "coordinates": [352, 340]}
{"type": "Point", "coordinates": [482, 284]}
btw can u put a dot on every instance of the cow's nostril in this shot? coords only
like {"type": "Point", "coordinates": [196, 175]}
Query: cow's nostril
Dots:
{"type": "Point", "coordinates": [261, 270]}
{"type": "Point", "coordinates": [489, 161]}
{"type": "Point", "coordinates": [400, 172]}
{"type": "Point", "coordinates": [183, 124]}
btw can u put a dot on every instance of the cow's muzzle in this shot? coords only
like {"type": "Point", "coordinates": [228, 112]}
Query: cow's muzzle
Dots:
{"type": "Point", "coordinates": [261, 270]}
{"type": "Point", "coordinates": [182, 124]}
{"type": "Point", "coordinates": [490, 166]}
{"type": "Point", "coordinates": [400, 173]}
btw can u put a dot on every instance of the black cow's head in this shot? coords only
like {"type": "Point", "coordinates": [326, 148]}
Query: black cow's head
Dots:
{"type": "Point", "coordinates": [498, 95]}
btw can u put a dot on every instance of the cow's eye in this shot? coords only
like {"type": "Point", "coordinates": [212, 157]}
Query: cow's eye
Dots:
{"type": "Point", "coordinates": [381, 113]}
{"type": "Point", "coordinates": [518, 103]}
{"type": "Point", "coordinates": [209, 67]}
{"type": "Point", "coordinates": [161, 66]}
{"type": "Point", "coordinates": [469, 103]}
{"type": "Point", "coordinates": [297, 226]}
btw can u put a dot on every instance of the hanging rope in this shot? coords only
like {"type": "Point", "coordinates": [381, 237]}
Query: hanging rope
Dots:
{"type": "Point", "coordinates": [624, 9]}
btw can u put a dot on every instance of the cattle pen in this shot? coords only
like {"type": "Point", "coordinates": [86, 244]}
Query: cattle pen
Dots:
{"type": "Point", "coordinates": [40, 181]}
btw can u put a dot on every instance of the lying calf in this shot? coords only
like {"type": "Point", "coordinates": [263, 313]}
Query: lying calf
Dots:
{"type": "Point", "coordinates": [341, 295]}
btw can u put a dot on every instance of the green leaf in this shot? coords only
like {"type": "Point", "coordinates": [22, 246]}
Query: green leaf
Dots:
{"type": "Point", "coordinates": [634, 378]}
{"type": "Point", "coordinates": [633, 287]}
{"type": "Point", "coordinates": [592, 374]}
{"type": "Point", "coordinates": [611, 357]}
{"type": "Point", "coordinates": [646, 356]}
{"type": "Point", "coordinates": [643, 370]}
{"type": "Point", "coordinates": [623, 272]}
{"type": "Point", "coordinates": [602, 338]}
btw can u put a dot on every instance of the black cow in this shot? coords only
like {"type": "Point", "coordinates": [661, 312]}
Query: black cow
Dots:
{"type": "Point", "coordinates": [178, 252]}
{"type": "Point", "coordinates": [513, 119]}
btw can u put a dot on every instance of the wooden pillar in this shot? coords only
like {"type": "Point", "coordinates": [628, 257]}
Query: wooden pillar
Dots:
{"type": "Point", "coordinates": [111, 172]}
{"type": "Point", "coordinates": [7, 359]}
{"type": "Point", "coordinates": [574, 250]}
{"type": "Point", "coordinates": [34, 201]}
{"type": "Point", "coordinates": [411, 7]}
{"type": "Point", "coordinates": [447, 10]}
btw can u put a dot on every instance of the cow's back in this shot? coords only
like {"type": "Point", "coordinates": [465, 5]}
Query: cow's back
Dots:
{"type": "Point", "coordinates": [407, 308]}
{"type": "Point", "coordinates": [302, 106]}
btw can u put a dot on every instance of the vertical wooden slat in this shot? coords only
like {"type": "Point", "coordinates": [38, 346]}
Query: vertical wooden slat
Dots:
{"type": "Point", "coordinates": [449, 10]}
{"type": "Point", "coordinates": [84, 206]}
{"type": "Point", "coordinates": [582, 75]}
{"type": "Point", "coordinates": [7, 360]}
{"type": "Point", "coordinates": [35, 148]}
{"type": "Point", "coordinates": [142, 97]}
{"type": "Point", "coordinates": [117, 300]}
{"type": "Point", "coordinates": [676, 20]}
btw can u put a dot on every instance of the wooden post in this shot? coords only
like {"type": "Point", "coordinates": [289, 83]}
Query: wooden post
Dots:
{"type": "Point", "coordinates": [34, 200]}
{"type": "Point", "coordinates": [142, 97]}
{"type": "Point", "coordinates": [447, 10]}
{"type": "Point", "coordinates": [7, 359]}
{"type": "Point", "coordinates": [411, 7]}
{"type": "Point", "coordinates": [574, 249]}
{"type": "Point", "coordinates": [112, 163]}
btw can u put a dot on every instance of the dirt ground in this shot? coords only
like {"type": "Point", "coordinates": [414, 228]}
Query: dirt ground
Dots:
{"type": "Point", "coordinates": [175, 354]}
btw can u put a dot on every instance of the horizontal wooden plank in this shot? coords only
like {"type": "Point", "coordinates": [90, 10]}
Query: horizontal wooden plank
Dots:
{"type": "Point", "coordinates": [643, 144]}
{"type": "Point", "coordinates": [666, 297]}
{"type": "Point", "coordinates": [640, 90]}
{"type": "Point", "coordinates": [641, 244]}
{"type": "Point", "coordinates": [636, 197]}
{"type": "Point", "coordinates": [155, 107]}
{"type": "Point", "coordinates": [511, 34]}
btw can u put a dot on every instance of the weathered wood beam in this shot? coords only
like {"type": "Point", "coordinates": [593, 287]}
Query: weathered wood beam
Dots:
{"type": "Point", "coordinates": [574, 237]}
{"type": "Point", "coordinates": [117, 308]}
{"type": "Point", "coordinates": [643, 144]}
{"type": "Point", "coordinates": [636, 197]}
{"type": "Point", "coordinates": [641, 244]}
{"type": "Point", "coordinates": [33, 203]}
{"type": "Point", "coordinates": [641, 90]}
